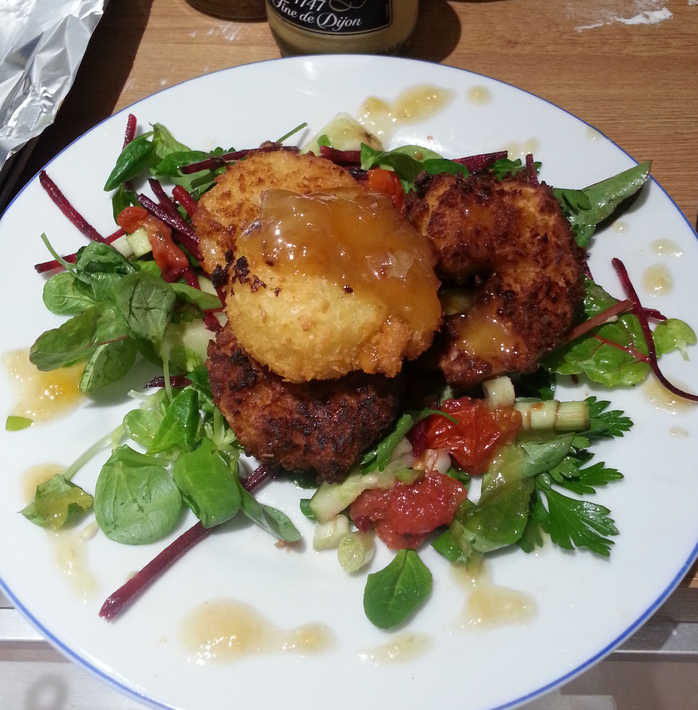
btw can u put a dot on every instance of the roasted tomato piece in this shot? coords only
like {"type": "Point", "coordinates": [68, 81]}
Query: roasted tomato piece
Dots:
{"type": "Point", "coordinates": [477, 437]}
{"type": "Point", "coordinates": [405, 514]}
{"type": "Point", "coordinates": [388, 183]}
{"type": "Point", "coordinates": [168, 256]}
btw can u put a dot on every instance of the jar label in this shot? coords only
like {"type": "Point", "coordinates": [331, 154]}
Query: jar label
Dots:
{"type": "Point", "coordinates": [345, 17]}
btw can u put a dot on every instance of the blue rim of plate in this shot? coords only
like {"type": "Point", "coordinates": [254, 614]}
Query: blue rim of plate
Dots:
{"type": "Point", "coordinates": [67, 651]}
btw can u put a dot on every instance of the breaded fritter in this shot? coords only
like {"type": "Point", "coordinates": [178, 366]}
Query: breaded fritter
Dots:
{"type": "Point", "coordinates": [227, 208]}
{"type": "Point", "coordinates": [329, 283]}
{"type": "Point", "coordinates": [316, 427]}
{"type": "Point", "coordinates": [513, 240]}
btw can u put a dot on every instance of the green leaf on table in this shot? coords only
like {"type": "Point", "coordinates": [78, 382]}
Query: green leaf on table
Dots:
{"type": "Point", "coordinates": [136, 500]}
{"type": "Point", "coordinates": [394, 593]}
{"type": "Point", "coordinates": [132, 161]}
{"type": "Point", "coordinates": [207, 485]}
{"type": "Point", "coordinates": [57, 502]}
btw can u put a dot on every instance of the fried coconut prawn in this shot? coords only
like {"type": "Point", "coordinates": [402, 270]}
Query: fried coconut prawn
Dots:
{"type": "Point", "coordinates": [315, 427]}
{"type": "Point", "coordinates": [322, 277]}
{"type": "Point", "coordinates": [511, 237]}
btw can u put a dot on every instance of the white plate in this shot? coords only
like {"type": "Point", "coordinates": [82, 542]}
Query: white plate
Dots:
{"type": "Point", "coordinates": [586, 605]}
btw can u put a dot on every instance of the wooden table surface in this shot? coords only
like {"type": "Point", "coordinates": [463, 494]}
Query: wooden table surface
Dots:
{"type": "Point", "coordinates": [628, 67]}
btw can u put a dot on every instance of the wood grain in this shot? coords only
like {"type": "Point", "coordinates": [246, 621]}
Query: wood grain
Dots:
{"type": "Point", "coordinates": [637, 83]}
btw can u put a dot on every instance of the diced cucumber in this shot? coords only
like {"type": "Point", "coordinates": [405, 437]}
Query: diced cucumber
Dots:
{"type": "Point", "coordinates": [123, 246]}
{"type": "Point", "coordinates": [327, 535]}
{"type": "Point", "coordinates": [139, 242]}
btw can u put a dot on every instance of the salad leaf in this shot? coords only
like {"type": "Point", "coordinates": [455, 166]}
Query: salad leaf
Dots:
{"type": "Point", "coordinates": [143, 424]}
{"type": "Point", "coordinates": [446, 545]}
{"type": "Point", "coordinates": [533, 533]}
{"type": "Point", "coordinates": [379, 456]}
{"type": "Point", "coordinates": [57, 502]}
{"type": "Point", "coordinates": [121, 199]}
{"type": "Point", "coordinates": [145, 302]}
{"type": "Point", "coordinates": [133, 160]}
{"type": "Point", "coordinates": [100, 258]}
{"type": "Point", "coordinates": [136, 500]}
{"type": "Point", "coordinates": [164, 142]}
{"type": "Point", "coordinates": [207, 485]}
{"type": "Point", "coordinates": [108, 363]}
{"type": "Point", "coordinates": [180, 425]}
{"type": "Point", "coordinates": [304, 503]}
{"type": "Point", "coordinates": [17, 423]}
{"type": "Point", "coordinates": [270, 519]}
{"type": "Point", "coordinates": [69, 343]}
{"type": "Point", "coordinates": [201, 299]}
{"type": "Point", "coordinates": [673, 334]}
{"type": "Point", "coordinates": [498, 520]}
{"type": "Point", "coordinates": [576, 523]}
{"type": "Point", "coordinates": [570, 474]}
{"type": "Point", "coordinates": [397, 591]}
{"type": "Point", "coordinates": [65, 295]}
{"type": "Point", "coordinates": [587, 208]}
{"type": "Point", "coordinates": [609, 354]}
{"type": "Point", "coordinates": [603, 423]}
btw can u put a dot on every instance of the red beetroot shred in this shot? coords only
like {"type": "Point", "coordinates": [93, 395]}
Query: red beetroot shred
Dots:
{"type": "Point", "coordinates": [185, 199]}
{"type": "Point", "coordinates": [184, 233]}
{"type": "Point", "coordinates": [130, 132]}
{"type": "Point", "coordinates": [640, 312]}
{"type": "Point", "coordinates": [127, 593]}
{"type": "Point", "coordinates": [64, 205]}
{"type": "Point", "coordinates": [531, 171]}
{"type": "Point", "coordinates": [341, 157]}
{"type": "Point", "coordinates": [478, 163]}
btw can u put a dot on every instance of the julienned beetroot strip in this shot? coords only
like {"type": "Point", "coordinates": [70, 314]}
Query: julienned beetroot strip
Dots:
{"type": "Point", "coordinates": [639, 311]}
{"type": "Point", "coordinates": [185, 199]}
{"type": "Point", "coordinates": [185, 234]}
{"type": "Point", "coordinates": [63, 204]}
{"type": "Point", "coordinates": [124, 595]}
{"type": "Point", "coordinates": [477, 163]}
{"type": "Point", "coordinates": [130, 132]}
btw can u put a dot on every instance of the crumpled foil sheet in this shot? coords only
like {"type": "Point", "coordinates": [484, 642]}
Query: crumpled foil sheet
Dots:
{"type": "Point", "coordinates": [41, 45]}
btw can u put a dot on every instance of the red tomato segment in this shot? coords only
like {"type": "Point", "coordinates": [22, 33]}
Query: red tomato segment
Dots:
{"type": "Point", "coordinates": [168, 256]}
{"type": "Point", "coordinates": [477, 437]}
{"type": "Point", "coordinates": [405, 514]}
{"type": "Point", "coordinates": [388, 183]}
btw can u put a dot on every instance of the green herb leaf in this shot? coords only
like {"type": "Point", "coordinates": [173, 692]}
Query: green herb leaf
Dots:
{"type": "Point", "coordinates": [145, 303]}
{"type": "Point", "coordinates": [71, 342]}
{"type": "Point", "coordinates": [600, 200]}
{"type": "Point", "coordinates": [570, 474]}
{"type": "Point", "coordinates": [180, 425]}
{"type": "Point", "coordinates": [270, 519]}
{"type": "Point", "coordinates": [164, 142]}
{"type": "Point", "coordinates": [397, 591]}
{"type": "Point", "coordinates": [673, 334]}
{"type": "Point", "coordinates": [133, 160]}
{"type": "Point", "coordinates": [304, 505]}
{"type": "Point", "coordinates": [207, 485]}
{"type": "Point", "coordinates": [533, 533]}
{"type": "Point", "coordinates": [576, 523]}
{"type": "Point", "coordinates": [604, 423]}
{"type": "Point", "coordinates": [323, 140]}
{"type": "Point", "coordinates": [108, 363]}
{"type": "Point", "coordinates": [504, 167]}
{"type": "Point", "coordinates": [100, 258]}
{"type": "Point", "coordinates": [379, 456]}
{"type": "Point", "coordinates": [497, 521]}
{"type": "Point", "coordinates": [65, 295]}
{"type": "Point", "coordinates": [201, 299]}
{"type": "Point", "coordinates": [56, 502]}
{"type": "Point", "coordinates": [609, 354]}
{"type": "Point", "coordinates": [136, 500]}
{"type": "Point", "coordinates": [121, 199]}
{"type": "Point", "coordinates": [446, 545]}
{"type": "Point", "coordinates": [438, 166]}
{"type": "Point", "coordinates": [15, 423]}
